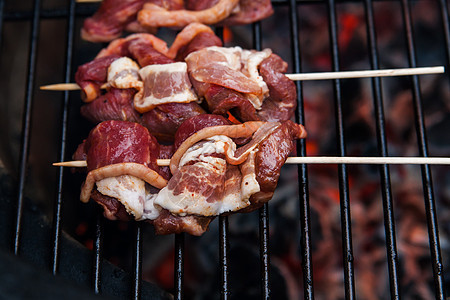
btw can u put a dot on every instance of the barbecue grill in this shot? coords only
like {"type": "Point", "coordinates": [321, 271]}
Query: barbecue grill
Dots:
{"type": "Point", "coordinates": [34, 233]}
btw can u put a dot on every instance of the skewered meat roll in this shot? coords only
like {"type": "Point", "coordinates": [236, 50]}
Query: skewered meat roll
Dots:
{"type": "Point", "coordinates": [158, 83]}
{"type": "Point", "coordinates": [217, 167]}
{"type": "Point", "coordinates": [162, 108]}
{"type": "Point", "coordinates": [115, 16]}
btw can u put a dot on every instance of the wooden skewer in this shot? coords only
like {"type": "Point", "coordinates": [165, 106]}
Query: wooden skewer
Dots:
{"type": "Point", "coordinates": [65, 87]}
{"type": "Point", "coordinates": [366, 74]}
{"type": "Point", "coordinates": [61, 87]}
{"type": "Point", "coordinates": [305, 76]}
{"type": "Point", "coordinates": [320, 160]}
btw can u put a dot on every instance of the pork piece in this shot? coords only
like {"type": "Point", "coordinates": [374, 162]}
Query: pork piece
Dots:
{"type": "Point", "coordinates": [122, 46]}
{"type": "Point", "coordinates": [167, 83]}
{"type": "Point", "coordinates": [155, 16]}
{"type": "Point", "coordinates": [200, 41]}
{"type": "Point", "coordinates": [164, 120]}
{"type": "Point", "coordinates": [246, 12]}
{"type": "Point", "coordinates": [124, 194]}
{"type": "Point", "coordinates": [113, 142]}
{"type": "Point", "coordinates": [234, 69]}
{"type": "Point", "coordinates": [205, 184]}
{"type": "Point", "coordinates": [199, 4]}
{"type": "Point", "coordinates": [112, 208]}
{"type": "Point", "coordinates": [116, 104]}
{"type": "Point", "coordinates": [225, 67]}
{"type": "Point", "coordinates": [121, 158]}
{"type": "Point", "coordinates": [249, 11]}
{"type": "Point", "coordinates": [272, 154]}
{"type": "Point", "coordinates": [278, 102]}
{"type": "Point", "coordinates": [221, 100]}
{"type": "Point", "coordinates": [147, 55]}
{"type": "Point", "coordinates": [165, 152]}
{"type": "Point", "coordinates": [187, 36]}
{"type": "Point", "coordinates": [194, 124]}
{"type": "Point", "coordinates": [80, 153]}
{"type": "Point", "coordinates": [123, 73]}
{"type": "Point", "coordinates": [257, 131]}
{"type": "Point", "coordinates": [212, 176]}
{"type": "Point", "coordinates": [109, 21]}
{"type": "Point", "coordinates": [282, 100]}
{"type": "Point", "coordinates": [168, 223]}
{"type": "Point", "coordinates": [114, 16]}
{"type": "Point", "coordinates": [92, 75]}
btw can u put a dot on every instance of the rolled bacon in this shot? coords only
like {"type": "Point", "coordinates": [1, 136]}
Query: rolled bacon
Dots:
{"type": "Point", "coordinates": [133, 169]}
{"type": "Point", "coordinates": [232, 131]}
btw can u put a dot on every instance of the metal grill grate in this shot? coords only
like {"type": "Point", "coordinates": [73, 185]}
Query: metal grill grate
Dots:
{"type": "Point", "coordinates": [74, 10]}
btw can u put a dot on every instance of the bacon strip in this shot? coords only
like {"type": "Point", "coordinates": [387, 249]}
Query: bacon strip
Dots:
{"type": "Point", "coordinates": [240, 155]}
{"type": "Point", "coordinates": [186, 36]}
{"type": "Point", "coordinates": [232, 131]}
{"type": "Point", "coordinates": [154, 16]}
{"type": "Point", "coordinates": [134, 169]}
{"type": "Point", "coordinates": [120, 46]}
{"type": "Point", "coordinates": [166, 83]}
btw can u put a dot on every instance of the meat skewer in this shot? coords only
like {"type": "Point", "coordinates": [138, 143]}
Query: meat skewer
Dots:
{"type": "Point", "coordinates": [160, 87]}
{"type": "Point", "coordinates": [318, 160]}
{"type": "Point", "coordinates": [215, 167]}
{"type": "Point", "coordinates": [306, 76]}
{"type": "Point", "coordinates": [115, 16]}
{"type": "Point", "coordinates": [143, 77]}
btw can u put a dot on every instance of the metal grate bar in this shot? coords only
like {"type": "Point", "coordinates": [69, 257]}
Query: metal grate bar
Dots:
{"type": "Point", "coordinates": [223, 249]}
{"type": "Point", "coordinates": [223, 233]}
{"type": "Point", "coordinates": [388, 208]}
{"type": "Point", "coordinates": [2, 16]}
{"type": "Point", "coordinates": [179, 266]}
{"type": "Point", "coordinates": [305, 218]}
{"type": "Point", "coordinates": [98, 254]}
{"type": "Point", "coordinates": [81, 11]}
{"type": "Point", "coordinates": [446, 25]}
{"type": "Point", "coordinates": [264, 210]}
{"type": "Point", "coordinates": [343, 177]}
{"type": "Point", "coordinates": [430, 203]}
{"type": "Point", "coordinates": [62, 150]}
{"type": "Point", "coordinates": [26, 127]}
{"type": "Point", "coordinates": [138, 262]}
{"type": "Point", "coordinates": [264, 250]}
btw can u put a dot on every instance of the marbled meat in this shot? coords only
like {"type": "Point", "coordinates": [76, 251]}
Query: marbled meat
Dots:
{"type": "Point", "coordinates": [115, 16]}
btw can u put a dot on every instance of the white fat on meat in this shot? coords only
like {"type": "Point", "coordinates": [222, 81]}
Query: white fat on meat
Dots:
{"type": "Point", "coordinates": [206, 185]}
{"type": "Point", "coordinates": [123, 73]}
{"type": "Point", "coordinates": [150, 211]}
{"type": "Point", "coordinates": [243, 61]}
{"type": "Point", "coordinates": [132, 193]}
{"type": "Point", "coordinates": [251, 59]}
{"type": "Point", "coordinates": [165, 83]}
